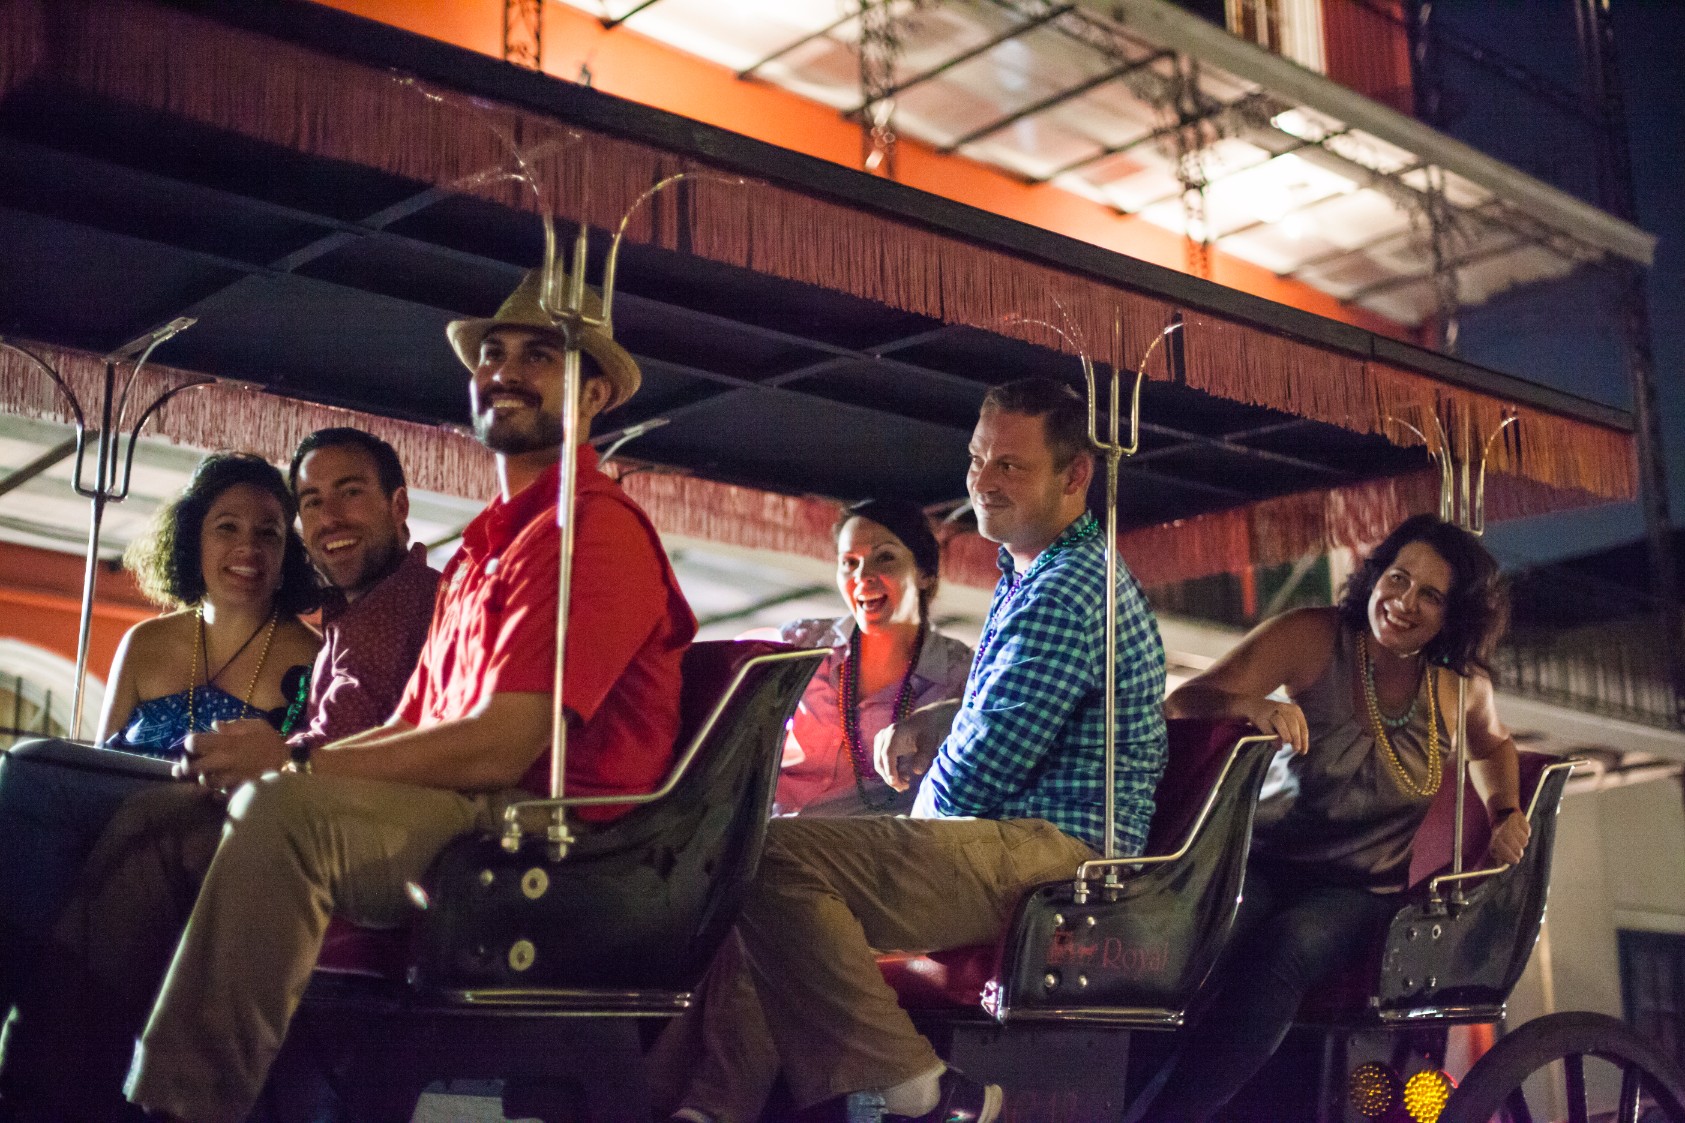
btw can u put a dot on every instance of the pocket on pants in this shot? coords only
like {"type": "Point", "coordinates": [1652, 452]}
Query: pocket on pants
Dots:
{"type": "Point", "coordinates": [1019, 854]}
{"type": "Point", "coordinates": [1038, 852]}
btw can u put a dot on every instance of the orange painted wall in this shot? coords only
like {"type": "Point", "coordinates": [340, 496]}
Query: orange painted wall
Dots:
{"type": "Point", "coordinates": [41, 600]}
{"type": "Point", "coordinates": [628, 65]}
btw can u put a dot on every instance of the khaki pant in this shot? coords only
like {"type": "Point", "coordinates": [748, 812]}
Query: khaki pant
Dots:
{"type": "Point", "coordinates": [718, 1056]}
{"type": "Point", "coordinates": [829, 892]}
{"type": "Point", "coordinates": [276, 862]}
{"type": "Point", "coordinates": [296, 850]}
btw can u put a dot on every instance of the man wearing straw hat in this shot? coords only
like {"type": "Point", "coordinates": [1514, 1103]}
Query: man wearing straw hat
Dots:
{"type": "Point", "coordinates": [346, 828]}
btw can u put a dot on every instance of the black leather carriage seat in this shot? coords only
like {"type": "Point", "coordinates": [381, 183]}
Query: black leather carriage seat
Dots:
{"type": "Point", "coordinates": [1203, 812]}
{"type": "Point", "coordinates": [1350, 995]}
{"type": "Point", "coordinates": [651, 896]}
{"type": "Point", "coordinates": [737, 762]}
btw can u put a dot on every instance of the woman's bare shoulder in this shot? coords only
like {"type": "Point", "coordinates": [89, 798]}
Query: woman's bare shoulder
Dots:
{"type": "Point", "coordinates": [161, 633]}
{"type": "Point", "coordinates": [1299, 628]}
{"type": "Point", "coordinates": [1300, 643]}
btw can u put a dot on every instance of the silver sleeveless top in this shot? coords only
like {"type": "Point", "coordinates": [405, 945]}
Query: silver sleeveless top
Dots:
{"type": "Point", "coordinates": [1339, 807]}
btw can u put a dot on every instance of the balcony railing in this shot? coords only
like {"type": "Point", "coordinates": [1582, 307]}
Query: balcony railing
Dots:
{"type": "Point", "coordinates": [1574, 641]}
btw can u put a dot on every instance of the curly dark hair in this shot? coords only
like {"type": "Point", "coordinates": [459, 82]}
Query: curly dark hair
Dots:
{"type": "Point", "coordinates": [1476, 609]}
{"type": "Point", "coordinates": [165, 561]}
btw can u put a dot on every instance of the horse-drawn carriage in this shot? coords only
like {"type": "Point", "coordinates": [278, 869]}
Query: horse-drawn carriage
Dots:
{"type": "Point", "coordinates": [320, 194]}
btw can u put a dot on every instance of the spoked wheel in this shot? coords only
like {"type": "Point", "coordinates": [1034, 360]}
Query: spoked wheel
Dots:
{"type": "Point", "coordinates": [1589, 1047]}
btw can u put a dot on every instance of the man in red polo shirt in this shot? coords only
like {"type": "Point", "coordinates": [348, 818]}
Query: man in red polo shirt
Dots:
{"type": "Point", "coordinates": [344, 831]}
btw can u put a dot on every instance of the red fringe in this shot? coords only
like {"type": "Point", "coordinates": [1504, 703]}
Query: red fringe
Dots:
{"type": "Point", "coordinates": [1248, 365]}
{"type": "Point", "coordinates": [189, 66]}
{"type": "Point", "coordinates": [22, 41]}
{"type": "Point", "coordinates": [736, 516]}
{"type": "Point", "coordinates": [236, 415]}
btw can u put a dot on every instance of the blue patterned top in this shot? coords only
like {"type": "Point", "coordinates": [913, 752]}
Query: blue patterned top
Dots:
{"type": "Point", "coordinates": [1028, 741]}
{"type": "Point", "coordinates": [158, 726]}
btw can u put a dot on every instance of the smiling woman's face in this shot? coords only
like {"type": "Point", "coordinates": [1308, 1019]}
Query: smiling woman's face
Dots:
{"type": "Point", "coordinates": [241, 545]}
{"type": "Point", "coordinates": [877, 576]}
{"type": "Point", "coordinates": [1407, 605]}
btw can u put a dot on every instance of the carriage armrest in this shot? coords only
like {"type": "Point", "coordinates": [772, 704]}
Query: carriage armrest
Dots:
{"type": "Point", "coordinates": [1137, 952]}
{"type": "Point", "coordinates": [1430, 849]}
{"type": "Point", "coordinates": [1192, 771]}
{"type": "Point", "coordinates": [640, 903]}
{"type": "Point", "coordinates": [1455, 960]}
{"type": "Point", "coordinates": [754, 653]}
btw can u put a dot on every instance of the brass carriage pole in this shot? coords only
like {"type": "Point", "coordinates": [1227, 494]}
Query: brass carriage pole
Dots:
{"type": "Point", "coordinates": [1471, 516]}
{"type": "Point", "coordinates": [569, 320]}
{"type": "Point", "coordinates": [567, 313]}
{"type": "Point", "coordinates": [109, 486]}
{"type": "Point", "coordinates": [96, 497]}
{"type": "Point", "coordinates": [1465, 520]}
{"type": "Point", "coordinates": [1114, 450]}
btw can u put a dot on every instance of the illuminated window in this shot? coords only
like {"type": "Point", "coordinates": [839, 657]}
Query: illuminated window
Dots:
{"type": "Point", "coordinates": [1291, 28]}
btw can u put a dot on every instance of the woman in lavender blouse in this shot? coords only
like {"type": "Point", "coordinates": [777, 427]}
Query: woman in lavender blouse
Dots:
{"type": "Point", "coordinates": [886, 660]}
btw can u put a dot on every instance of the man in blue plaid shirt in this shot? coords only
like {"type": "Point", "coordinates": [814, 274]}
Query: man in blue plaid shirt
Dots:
{"type": "Point", "coordinates": [1013, 793]}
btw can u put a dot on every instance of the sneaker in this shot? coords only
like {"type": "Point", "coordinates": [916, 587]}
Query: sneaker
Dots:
{"type": "Point", "coordinates": [961, 1100]}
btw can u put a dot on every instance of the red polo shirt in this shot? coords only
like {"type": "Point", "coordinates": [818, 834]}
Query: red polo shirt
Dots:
{"type": "Point", "coordinates": [494, 631]}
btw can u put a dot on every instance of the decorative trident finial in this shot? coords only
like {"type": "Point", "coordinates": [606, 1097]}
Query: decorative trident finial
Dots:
{"type": "Point", "coordinates": [1112, 449]}
{"type": "Point", "coordinates": [1462, 479]}
{"type": "Point", "coordinates": [1462, 502]}
{"type": "Point", "coordinates": [110, 481]}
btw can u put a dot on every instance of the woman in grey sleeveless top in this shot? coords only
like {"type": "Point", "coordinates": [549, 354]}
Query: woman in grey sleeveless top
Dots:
{"type": "Point", "coordinates": [1371, 692]}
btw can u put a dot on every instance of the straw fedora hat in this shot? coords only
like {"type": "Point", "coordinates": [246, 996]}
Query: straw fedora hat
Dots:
{"type": "Point", "coordinates": [522, 310]}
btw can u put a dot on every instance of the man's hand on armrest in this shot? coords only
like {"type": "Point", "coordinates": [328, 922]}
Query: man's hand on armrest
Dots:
{"type": "Point", "coordinates": [902, 752]}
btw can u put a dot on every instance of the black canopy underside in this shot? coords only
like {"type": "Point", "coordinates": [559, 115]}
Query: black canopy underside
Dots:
{"type": "Point", "coordinates": [332, 282]}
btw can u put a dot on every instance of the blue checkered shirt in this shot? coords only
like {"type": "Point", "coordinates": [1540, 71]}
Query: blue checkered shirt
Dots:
{"type": "Point", "coordinates": [1028, 741]}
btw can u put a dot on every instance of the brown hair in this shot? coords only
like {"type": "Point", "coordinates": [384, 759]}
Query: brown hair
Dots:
{"type": "Point", "coordinates": [1476, 608]}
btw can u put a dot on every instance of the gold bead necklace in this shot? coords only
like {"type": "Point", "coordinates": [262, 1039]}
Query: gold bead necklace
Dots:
{"type": "Point", "coordinates": [199, 648]}
{"type": "Point", "coordinates": [1436, 764]}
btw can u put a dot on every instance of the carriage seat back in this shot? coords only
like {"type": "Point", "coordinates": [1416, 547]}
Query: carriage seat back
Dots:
{"type": "Point", "coordinates": [1198, 751]}
{"type": "Point", "coordinates": [1431, 851]}
{"type": "Point", "coordinates": [1354, 993]}
{"type": "Point", "coordinates": [1144, 953]}
{"type": "Point", "coordinates": [644, 900]}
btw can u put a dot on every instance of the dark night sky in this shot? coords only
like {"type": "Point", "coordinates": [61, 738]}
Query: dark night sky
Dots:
{"type": "Point", "coordinates": [1563, 333]}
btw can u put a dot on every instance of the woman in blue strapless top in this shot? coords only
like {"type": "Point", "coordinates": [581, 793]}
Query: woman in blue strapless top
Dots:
{"type": "Point", "coordinates": [225, 556]}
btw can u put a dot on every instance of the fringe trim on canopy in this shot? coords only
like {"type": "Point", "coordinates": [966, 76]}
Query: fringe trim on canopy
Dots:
{"type": "Point", "coordinates": [239, 416]}
{"type": "Point", "coordinates": [1267, 533]}
{"type": "Point", "coordinates": [1243, 364]}
{"type": "Point", "coordinates": [448, 460]}
{"type": "Point", "coordinates": [192, 67]}
{"type": "Point", "coordinates": [735, 516]}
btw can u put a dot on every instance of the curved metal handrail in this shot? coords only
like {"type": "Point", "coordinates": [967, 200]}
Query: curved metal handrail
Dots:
{"type": "Point", "coordinates": [1086, 870]}
{"type": "Point", "coordinates": [1459, 876]}
{"type": "Point", "coordinates": [512, 832]}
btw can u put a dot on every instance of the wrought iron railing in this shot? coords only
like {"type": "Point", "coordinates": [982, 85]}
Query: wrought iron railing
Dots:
{"type": "Point", "coordinates": [1588, 643]}
{"type": "Point", "coordinates": [27, 710]}
{"type": "Point", "coordinates": [1578, 641]}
